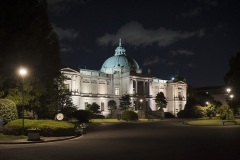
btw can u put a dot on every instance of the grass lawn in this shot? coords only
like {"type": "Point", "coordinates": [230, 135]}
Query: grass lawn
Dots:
{"type": "Point", "coordinates": [107, 120]}
{"type": "Point", "coordinates": [93, 122]}
{"type": "Point", "coordinates": [11, 137]}
{"type": "Point", "coordinates": [211, 122]}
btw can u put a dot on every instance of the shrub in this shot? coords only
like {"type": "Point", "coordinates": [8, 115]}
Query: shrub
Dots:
{"type": "Point", "coordinates": [225, 113]}
{"type": "Point", "coordinates": [48, 128]}
{"type": "Point", "coordinates": [182, 114]}
{"type": "Point", "coordinates": [99, 116]}
{"type": "Point", "coordinates": [194, 112]}
{"type": "Point", "coordinates": [82, 116]}
{"type": "Point", "coordinates": [129, 116]}
{"type": "Point", "coordinates": [68, 112]}
{"type": "Point", "coordinates": [198, 112]}
{"type": "Point", "coordinates": [8, 110]}
{"type": "Point", "coordinates": [210, 111]}
{"type": "Point", "coordinates": [168, 115]}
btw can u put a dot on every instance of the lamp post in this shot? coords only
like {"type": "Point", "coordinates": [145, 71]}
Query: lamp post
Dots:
{"type": "Point", "coordinates": [141, 103]}
{"type": "Point", "coordinates": [23, 73]}
{"type": "Point", "coordinates": [141, 108]}
{"type": "Point", "coordinates": [231, 97]}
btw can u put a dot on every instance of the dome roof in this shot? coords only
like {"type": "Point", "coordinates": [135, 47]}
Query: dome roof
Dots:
{"type": "Point", "coordinates": [119, 62]}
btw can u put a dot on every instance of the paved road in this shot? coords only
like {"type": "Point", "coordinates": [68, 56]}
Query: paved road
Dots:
{"type": "Point", "coordinates": [165, 140]}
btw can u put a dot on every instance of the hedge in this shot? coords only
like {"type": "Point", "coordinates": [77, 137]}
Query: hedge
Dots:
{"type": "Point", "coordinates": [129, 116]}
{"type": "Point", "coordinates": [48, 128]}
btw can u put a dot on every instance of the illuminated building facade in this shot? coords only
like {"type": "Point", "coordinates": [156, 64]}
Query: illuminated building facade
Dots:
{"type": "Point", "coordinates": [121, 75]}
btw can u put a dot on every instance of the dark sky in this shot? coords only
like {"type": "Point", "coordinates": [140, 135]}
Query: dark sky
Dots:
{"type": "Point", "coordinates": [194, 38]}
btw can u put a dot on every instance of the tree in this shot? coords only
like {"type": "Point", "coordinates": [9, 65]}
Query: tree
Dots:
{"type": "Point", "coordinates": [198, 112]}
{"type": "Point", "coordinates": [225, 112]}
{"type": "Point", "coordinates": [27, 38]}
{"type": "Point", "coordinates": [125, 102]}
{"type": "Point", "coordinates": [112, 105]}
{"type": "Point", "coordinates": [232, 79]}
{"type": "Point", "coordinates": [65, 103]}
{"type": "Point", "coordinates": [8, 110]}
{"type": "Point", "coordinates": [94, 108]}
{"type": "Point", "coordinates": [211, 110]}
{"type": "Point", "coordinates": [161, 100]}
{"type": "Point", "coordinates": [195, 101]}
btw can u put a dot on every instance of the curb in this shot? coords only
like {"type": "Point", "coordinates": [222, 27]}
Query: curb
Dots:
{"type": "Point", "coordinates": [43, 140]}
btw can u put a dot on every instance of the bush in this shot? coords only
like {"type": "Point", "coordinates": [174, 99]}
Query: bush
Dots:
{"type": "Point", "coordinates": [8, 110]}
{"type": "Point", "coordinates": [182, 114]}
{"type": "Point", "coordinates": [198, 112]}
{"type": "Point", "coordinates": [194, 112]}
{"type": "Point", "coordinates": [99, 116]}
{"type": "Point", "coordinates": [82, 116]}
{"type": "Point", "coordinates": [129, 116]}
{"type": "Point", "coordinates": [168, 115]}
{"type": "Point", "coordinates": [225, 113]}
{"type": "Point", "coordinates": [48, 128]}
{"type": "Point", "coordinates": [211, 112]}
{"type": "Point", "coordinates": [68, 112]}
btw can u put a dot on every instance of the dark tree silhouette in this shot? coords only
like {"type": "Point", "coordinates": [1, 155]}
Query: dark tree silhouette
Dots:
{"type": "Point", "coordinates": [112, 105]}
{"type": "Point", "coordinates": [27, 39]}
{"type": "Point", "coordinates": [161, 100]}
{"type": "Point", "coordinates": [125, 102]}
{"type": "Point", "coordinates": [232, 79]}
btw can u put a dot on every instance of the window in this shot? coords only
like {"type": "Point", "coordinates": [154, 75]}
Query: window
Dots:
{"type": "Point", "coordinates": [116, 91]}
{"type": "Point", "coordinates": [85, 81]}
{"type": "Point", "coordinates": [94, 81]}
{"type": "Point", "coordinates": [134, 87]}
{"type": "Point", "coordinates": [102, 106]}
{"type": "Point", "coordinates": [67, 86]}
{"type": "Point", "coordinates": [180, 107]}
{"type": "Point", "coordinates": [135, 106]}
{"type": "Point", "coordinates": [86, 103]}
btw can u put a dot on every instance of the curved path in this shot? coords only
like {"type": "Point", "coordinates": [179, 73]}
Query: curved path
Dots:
{"type": "Point", "coordinates": [164, 140]}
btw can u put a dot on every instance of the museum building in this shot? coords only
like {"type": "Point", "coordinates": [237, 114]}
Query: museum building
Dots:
{"type": "Point", "coordinates": [121, 75]}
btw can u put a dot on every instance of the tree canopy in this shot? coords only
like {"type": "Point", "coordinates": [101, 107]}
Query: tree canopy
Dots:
{"type": "Point", "coordinates": [27, 39]}
{"type": "Point", "coordinates": [112, 105]}
{"type": "Point", "coordinates": [161, 100]}
{"type": "Point", "coordinates": [94, 108]}
{"type": "Point", "coordinates": [232, 80]}
{"type": "Point", "coordinates": [125, 102]}
{"type": "Point", "coordinates": [8, 110]}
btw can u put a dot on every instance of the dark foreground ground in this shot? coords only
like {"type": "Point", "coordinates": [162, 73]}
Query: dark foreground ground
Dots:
{"type": "Point", "coordinates": [164, 140]}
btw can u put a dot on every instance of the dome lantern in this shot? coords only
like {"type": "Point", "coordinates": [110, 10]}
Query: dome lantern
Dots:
{"type": "Point", "coordinates": [120, 50]}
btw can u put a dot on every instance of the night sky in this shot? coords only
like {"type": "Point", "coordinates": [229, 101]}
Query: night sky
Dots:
{"type": "Point", "coordinates": [194, 38]}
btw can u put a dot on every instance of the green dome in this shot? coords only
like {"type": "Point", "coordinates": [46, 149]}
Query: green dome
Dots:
{"type": "Point", "coordinates": [120, 62]}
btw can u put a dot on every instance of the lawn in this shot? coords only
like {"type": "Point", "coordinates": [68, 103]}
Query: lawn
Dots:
{"type": "Point", "coordinates": [107, 120]}
{"type": "Point", "coordinates": [11, 137]}
{"type": "Point", "coordinates": [211, 122]}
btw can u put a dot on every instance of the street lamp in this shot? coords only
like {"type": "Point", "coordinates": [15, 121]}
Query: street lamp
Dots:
{"type": "Point", "coordinates": [142, 109]}
{"type": "Point", "coordinates": [141, 103]}
{"type": "Point", "coordinates": [23, 73]}
{"type": "Point", "coordinates": [231, 97]}
{"type": "Point", "coordinates": [228, 90]}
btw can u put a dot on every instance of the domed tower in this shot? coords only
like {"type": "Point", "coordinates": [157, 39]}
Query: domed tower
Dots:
{"type": "Point", "coordinates": [120, 62]}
